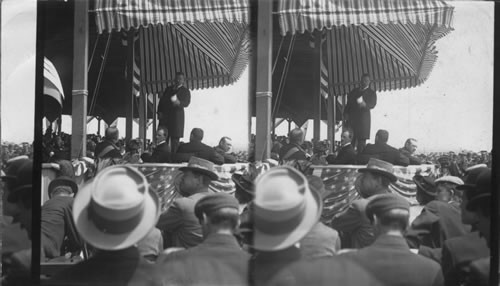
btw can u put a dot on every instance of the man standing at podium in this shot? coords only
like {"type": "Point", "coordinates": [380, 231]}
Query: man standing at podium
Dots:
{"type": "Point", "coordinates": [357, 112]}
{"type": "Point", "coordinates": [171, 110]}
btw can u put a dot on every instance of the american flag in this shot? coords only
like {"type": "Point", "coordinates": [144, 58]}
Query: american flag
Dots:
{"type": "Point", "coordinates": [164, 179]}
{"type": "Point", "coordinates": [340, 190]}
{"type": "Point", "coordinates": [338, 180]}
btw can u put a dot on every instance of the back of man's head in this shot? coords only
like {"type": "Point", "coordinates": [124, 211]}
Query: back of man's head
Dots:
{"type": "Point", "coordinates": [296, 136]}
{"type": "Point", "coordinates": [382, 136]}
{"type": "Point", "coordinates": [389, 213]}
{"type": "Point", "coordinates": [218, 213]}
{"type": "Point", "coordinates": [393, 220]}
{"type": "Point", "coordinates": [196, 135]}
{"type": "Point", "coordinates": [112, 134]}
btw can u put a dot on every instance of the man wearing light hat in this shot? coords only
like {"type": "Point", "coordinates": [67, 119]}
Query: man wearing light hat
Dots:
{"type": "Point", "coordinates": [179, 222]}
{"type": "Point", "coordinates": [438, 220]}
{"type": "Point", "coordinates": [284, 211]}
{"type": "Point", "coordinates": [113, 213]}
{"type": "Point", "coordinates": [219, 218]}
{"type": "Point", "coordinates": [389, 257]}
{"type": "Point", "coordinates": [446, 189]}
{"type": "Point", "coordinates": [355, 228]}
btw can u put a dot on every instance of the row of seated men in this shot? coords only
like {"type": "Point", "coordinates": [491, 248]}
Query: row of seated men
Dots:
{"type": "Point", "coordinates": [280, 241]}
{"type": "Point", "coordinates": [347, 155]}
{"type": "Point", "coordinates": [162, 153]}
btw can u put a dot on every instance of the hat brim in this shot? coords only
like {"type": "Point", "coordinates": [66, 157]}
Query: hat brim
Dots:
{"type": "Point", "coordinates": [266, 242]}
{"type": "Point", "coordinates": [390, 176]}
{"type": "Point", "coordinates": [63, 182]}
{"type": "Point", "coordinates": [106, 241]}
{"type": "Point", "coordinates": [213, 176]}
{"type": "Point", "coordinates": [237, 179]}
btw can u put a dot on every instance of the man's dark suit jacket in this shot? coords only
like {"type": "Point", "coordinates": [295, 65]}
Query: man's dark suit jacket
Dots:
{"type": "Point", "coordinates": [354, 227]}
{"type": "Point", "coordinates": [222, 247]}
{"type": "Point", "coordinates": [107, 149]}
{"type": "Point", "coordinates": [390, 260]}
{"type": "Point", "coordinates": [437, 222]}
{"type": "Point", "coordinates": [346, 156]}
{"type": "Point", "coordinates": [198, 149]}
{"type": "Point", "coordinates": [180, 222]}
{"type": "Point", "coordinates": [121, 267]}
{"type": "Point", "coordinates": [161, 154]}
{"type": "Point", "coordinates": [383, 152]}
{"type": "Point", "coordinates": [299, 154]}
{"type": "Point", "coordinates": [458, 253]}
{"type": "Point", "coordinates": [228, 158]}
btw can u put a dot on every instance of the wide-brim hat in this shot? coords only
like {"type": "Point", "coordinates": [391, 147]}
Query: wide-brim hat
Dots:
{"type": "Point", "coordinates": [63, 181]}
{"type": "Point", "coordinates": [20, 177]}
{"type": "Point", "coordinates": [471, 176]}
{"type": "Point", "coordinates": [202, 166]}
{"type": "Point", "coordinates": [284, 209]}
{"type": "Point", "coordinates": [425, 184]}
{"type": "Point", "coordinates": [245, 180]}
{"type": "Point", "coordinates": [12, 166]}
{"type": "Point", "coordinates": [117, 209]}
{"type": "Point", "coordinates": [380, 167]}
{"type": "Point", "coordinates": [449, 179]}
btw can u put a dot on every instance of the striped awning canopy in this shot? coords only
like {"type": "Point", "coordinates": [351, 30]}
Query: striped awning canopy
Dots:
{"type": "Point", "coordinates": [115, 15]}
{"type": "Point", "coordinates": [309, 15]}
{"type": "Point", "coordinates": [52, 90]}
{"type": "Point", "coordinates": [210, 55]}
{"type": "Point", "coordinates": [206, 40]}
{"type": "Point", "coordinates": [392, 40]}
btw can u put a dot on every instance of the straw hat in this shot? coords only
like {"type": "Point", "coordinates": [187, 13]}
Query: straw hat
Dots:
{"type": "Point", "coordinates": [380, 167]}
{"type": "Point", "coordinates": [284, 210]}
{"type": "Point", "coordinates": [449, 179]}
{"type": "Point", "coordinates": [202, 166]}
{"type": "Point", "coordinates": [117, 209]}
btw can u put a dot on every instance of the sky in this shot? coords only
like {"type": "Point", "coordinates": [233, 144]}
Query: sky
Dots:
{"type": "Point", "coordinates": [452, 110]}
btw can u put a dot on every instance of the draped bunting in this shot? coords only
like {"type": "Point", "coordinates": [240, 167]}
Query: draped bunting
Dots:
{"type": "Point", "coordinates": [338, 180]}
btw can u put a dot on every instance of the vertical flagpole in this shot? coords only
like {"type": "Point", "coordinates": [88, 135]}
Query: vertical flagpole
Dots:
{"type": "Point", "coordinates": [264, 92]}
{"type": "Point", "coordinates": [317, 85]}
{"type": "Point", "coordinates": [129, 113]}
{"type": "Point", "coordinates": [155, 97]}
{"type": "Point", "coordinates": [80, 90]}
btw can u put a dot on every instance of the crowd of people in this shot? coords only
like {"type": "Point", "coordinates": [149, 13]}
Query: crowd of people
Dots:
{"type": "Point", "coordinates": [111, 231]}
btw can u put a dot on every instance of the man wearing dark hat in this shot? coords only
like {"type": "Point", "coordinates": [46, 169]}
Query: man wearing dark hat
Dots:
{"type": "Point", "coordinates": [479, 203]}
{"type": "Point", "coordinates": [438, 220]}
{"type": "Point", "coordinates": [18, 190]}
{"type": "Point", "coordinates": [218, 215]}
{"type": "Point", "coordinates": [459, 252]}
{"type": "Point", "coordinates": [179, 223]}
{"type": "Point", "coordinates": [355, 229]}
{"type": "Point", "coordinates": [57, 220]}
{"type": "Point", "coordinates": [389, 257]}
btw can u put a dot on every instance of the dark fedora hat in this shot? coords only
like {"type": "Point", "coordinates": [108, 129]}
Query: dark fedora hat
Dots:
{"type": "Point", "coordinates": [245, 180]}
{"type": "Point", "coordinates": [380, 167]}
{"type": "Point", "coordinates": [62, 181]}
{"type": "Point", "coordinates": [481, 190]}
{"type": "Point", "coordinates": [201, 166]}
{"type": "Point", "coordinates": [425, 184]}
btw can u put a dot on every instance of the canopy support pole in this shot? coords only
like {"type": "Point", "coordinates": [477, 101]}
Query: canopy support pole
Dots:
{"type": "Point", "coordinates": [129, 113]}
{"type": "Point", "coordinates": [317, 85]}
{"type": "Point", "coordinates": [331, 121]}
{"type": "Point", "coordinates": [80, 91]}
{"type": "Point", "coordinates": [143, 118]}
{"type": "Point", "coordinates": [155, 101]}
{"type": "Point", "coordinates": [263, 86]}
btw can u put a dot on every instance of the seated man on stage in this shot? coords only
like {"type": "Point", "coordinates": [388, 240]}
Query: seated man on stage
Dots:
{"type": "Point", "coordinates": [408, 150]}
{"type": "Point", "coordinates": [293, 150]}
{"type": "Point", "coordinates": [382, 151]}
{"type": "Point", "coordinates": [224, 149]}
{"type": "Point", "coordinates": [346, 154]}
{"type": "Point", "coordinates": [198, 149]}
